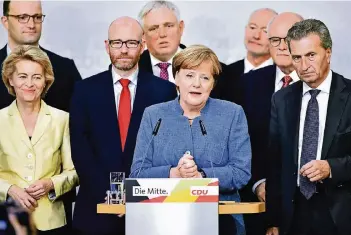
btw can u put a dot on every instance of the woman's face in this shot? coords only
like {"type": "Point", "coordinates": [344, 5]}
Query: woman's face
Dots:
{"type": "Point", "coordinates": [195, 85]}
{"type": "Point", "coordinates": [28, 81]}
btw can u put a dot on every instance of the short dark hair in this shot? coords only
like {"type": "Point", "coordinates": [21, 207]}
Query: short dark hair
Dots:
{"type": "Point", "coordinates": [6, 7]}
{"type": "Point", "coordinates": [307, 27]}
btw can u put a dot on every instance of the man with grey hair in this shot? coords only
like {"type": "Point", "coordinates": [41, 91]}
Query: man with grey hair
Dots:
{"type": "Point", "coordinates": [309, 182]}
{"type": "Point", "coordinates": [163, 30]}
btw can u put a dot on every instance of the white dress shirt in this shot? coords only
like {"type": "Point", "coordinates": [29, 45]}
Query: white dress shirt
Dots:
{"type": "Point", "coordinates": [278, 85]}
{"type": "Point", "coordinates": [156, 70]}
{"type": "Point", "coordinates": [117, 87]}
{"type": "Point", "coordinates": [279, 76]}
{"type": "Point", "coordinates": [248, 66]}
{"type": "Point", "coordinates": [322, 99]}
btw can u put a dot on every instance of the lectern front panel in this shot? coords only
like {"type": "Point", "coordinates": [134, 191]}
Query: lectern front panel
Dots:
{"type": "Point", "coordinates": [171, 206]}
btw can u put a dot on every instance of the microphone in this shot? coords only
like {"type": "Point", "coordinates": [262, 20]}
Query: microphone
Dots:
{"type": "Point", "coordinates": [154, 133]}
{"type": "Point", "coordinates": [204, 133]}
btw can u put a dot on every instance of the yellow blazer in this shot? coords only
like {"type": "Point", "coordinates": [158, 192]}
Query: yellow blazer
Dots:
{"type": "Point", "coordinates": [46, 155]}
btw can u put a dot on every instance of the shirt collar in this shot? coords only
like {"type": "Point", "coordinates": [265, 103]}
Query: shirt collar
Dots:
{"type": "Point", "coordinates": [280, 75]}
{"type": "Point", "coordinates": [323, 87]}
{"type": "Point", "coordinates": [133, 78]}
{"type": "Point", "coordinates": [248, 66]}
{"type": "Point", "coordinates": [155, 61]}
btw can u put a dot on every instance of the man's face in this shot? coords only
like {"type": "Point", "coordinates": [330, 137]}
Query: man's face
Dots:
{"type": "Point", "coordinates": [163, 33]}
{"type": "Point", "coordinates": [125, 46]}
{"type": "Point", "coordinates": [256, 39]}
{"type": "Point", "coordinates": [311, 61]}
{"type": "Point", "coordinates": [25, 33]}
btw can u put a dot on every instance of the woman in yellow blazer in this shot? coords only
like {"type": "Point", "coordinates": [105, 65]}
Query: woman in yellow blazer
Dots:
{"type": "Point", "coordinates": [35, 154]}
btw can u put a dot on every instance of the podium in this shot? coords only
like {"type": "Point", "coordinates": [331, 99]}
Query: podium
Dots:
{"type": "Point", "coordinates": [174, 206]}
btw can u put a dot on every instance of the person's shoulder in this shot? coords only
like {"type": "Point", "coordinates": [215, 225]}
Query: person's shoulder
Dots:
{"type": "Point", "coordinates": [237, 65]}
{"type": "Point", "coordinates": [58, 113]}
{"type": "Point", "coordinates": [95, 79]}
{"type": "Point", "coordinates": [163, 107]}
{"type": "Point", "coordinates": [269, 70]}
{"type": "Point", "coordinates": [4, 112]}
{"type": "Point", "coordinates": [221, 105]}
{"type": "Point", "coordinates": [55, 57]}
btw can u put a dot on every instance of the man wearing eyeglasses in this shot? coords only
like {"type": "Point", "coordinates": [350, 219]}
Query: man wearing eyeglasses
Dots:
{"type": "Point", "coordinates": [257, 88]}
{"type": "Point", "coordinates": [105, 116]}
{"type": "Point", "coordinates": [23, 21]}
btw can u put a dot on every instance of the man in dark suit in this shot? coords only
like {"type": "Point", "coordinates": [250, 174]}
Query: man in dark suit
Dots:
{"type": "Point", "coordinates": [105, 115]}
{"type": "Point", "coordinates": [163, 30]}
{"type": "Point", "coordinates": [23, 22]}
{"type": "Point", "coordinates": [309, 182]}
{"type": "Point", "coordinates": [256, 89]}
{"type": "Point", "coordinates": [257, 56]}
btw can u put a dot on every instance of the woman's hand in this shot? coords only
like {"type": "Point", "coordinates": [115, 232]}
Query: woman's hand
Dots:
{"type": "Point", "coordinates": [40, 188]}
{"type": "Point", "coordinates": [187, 167]}
{"type": "Point", "coordinates": [23, 198]}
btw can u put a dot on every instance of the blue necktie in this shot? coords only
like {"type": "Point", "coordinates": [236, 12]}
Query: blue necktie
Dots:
{"type": "Point", "coordinates": [310, 142]}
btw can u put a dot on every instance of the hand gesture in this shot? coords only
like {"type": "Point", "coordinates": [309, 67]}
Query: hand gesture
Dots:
{"type": "Point", "coordinates": [22, 198]}
{"type": "Point", "coordinates": [40, 188]}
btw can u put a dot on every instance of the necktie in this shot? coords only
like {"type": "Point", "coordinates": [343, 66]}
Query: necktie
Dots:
{"type": "Point", "coordinates": [124, 111]}
{"type": "Point", "coordinates": [310, 142]}
{"type": "Point", "coordinates": [163, 67]}
{"type": "Point", "coordinates": [286, 81]}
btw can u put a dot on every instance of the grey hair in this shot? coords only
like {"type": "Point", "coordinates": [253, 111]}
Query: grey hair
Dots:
{"type": "Point", "coordinates": [148, 7]}
{"type": "Point", "coordinates": [307, 27]}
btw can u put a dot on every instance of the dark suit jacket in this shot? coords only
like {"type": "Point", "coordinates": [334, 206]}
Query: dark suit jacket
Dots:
{"type": "Point", "coordinates": [256, 90]}
{"type": "Point", "coordinates": [336, 149]}
{"type": "Point", "coordinates": [145, 60]}
{"type": "Point", "coordinates": [96, 145]}
{"type": "Point", "coordinates": [59, 94]}
{"type": "Point", "coordinates": [227, 87]}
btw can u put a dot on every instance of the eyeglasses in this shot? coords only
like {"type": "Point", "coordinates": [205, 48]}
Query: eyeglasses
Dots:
{"type": "Point", "coordinates": [275, 41]}
{"type": "Point", "coordinates": [23, 19]}
{"type": "Point", "coordinates": [119, 43]}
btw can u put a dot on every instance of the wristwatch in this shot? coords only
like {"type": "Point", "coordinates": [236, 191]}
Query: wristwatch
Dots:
{"type": "Point", "coordinates": [202, 172]}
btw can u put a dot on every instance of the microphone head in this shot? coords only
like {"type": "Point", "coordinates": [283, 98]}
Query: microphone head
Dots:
{"type": "Point", "coordinates": [157, 127]}
{"type": "Point", "coordinates": [203, 129]}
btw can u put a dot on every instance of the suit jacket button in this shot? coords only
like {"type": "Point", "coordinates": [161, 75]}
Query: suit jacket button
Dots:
{"type": "Point", "coordinates": [292, 201]}
{"type": "Point", "coordinates": [29, 155]}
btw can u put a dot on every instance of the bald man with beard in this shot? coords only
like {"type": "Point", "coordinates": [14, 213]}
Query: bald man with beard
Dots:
{"type": "Point", "coordinates": [105, 116]}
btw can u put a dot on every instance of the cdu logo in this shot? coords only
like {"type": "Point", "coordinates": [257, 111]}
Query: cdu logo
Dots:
{"type": "Point", "coordinates": [204, 190]}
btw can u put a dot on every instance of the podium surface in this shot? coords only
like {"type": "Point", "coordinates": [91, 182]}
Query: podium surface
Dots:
{"type": "Point", "coordinates": [228, 208]}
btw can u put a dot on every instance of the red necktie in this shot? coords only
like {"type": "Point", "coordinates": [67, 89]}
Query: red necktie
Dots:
{"type": "Point", "coordinates": [124, 111]}
{"type": "Point", "coordinates": [286, 81]}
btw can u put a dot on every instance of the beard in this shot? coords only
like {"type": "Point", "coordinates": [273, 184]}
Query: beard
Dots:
{"type": "Point", "coordinates": [124, 66]}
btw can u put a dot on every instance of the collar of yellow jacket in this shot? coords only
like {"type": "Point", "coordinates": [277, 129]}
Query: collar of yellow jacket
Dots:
{"type": "Point", "coordinates": [13, 110]}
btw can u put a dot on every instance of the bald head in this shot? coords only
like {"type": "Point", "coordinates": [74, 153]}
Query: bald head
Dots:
{"type": "Point", "coordinates": [263, 14]}
{"type": "Point", "coordinates": [124, 44]}
{"type": "Point", "coordinates": [125, 25]}
{"type": "Point", "coordinates": [256, 40]}
{"type": "Point", "coordinates": [283, 22]}
{"type": "Point", "coordinates": [277, 30]}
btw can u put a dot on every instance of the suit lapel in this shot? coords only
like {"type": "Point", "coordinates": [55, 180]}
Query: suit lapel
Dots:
{"type": "Point", "coordinates": [292, 115]}
{"type": "Point", "coordinates": [337, 100]}
{"type": "Point", "coordinates": [108, 108]}
{"type": "Point", "coordinates": [17, 124]}
{"type": "Point", "coordinates": [3, 54]}
{"type": "Point", "coordinates": [42, 123]}
{"type": "Point", "coordinates": [140, 103]}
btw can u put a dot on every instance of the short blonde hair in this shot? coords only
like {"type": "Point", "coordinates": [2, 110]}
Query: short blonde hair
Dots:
{"type": "Point", "coordinates": [31, 53]}
{"type": "Point", "coordinates": [193, 56]}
